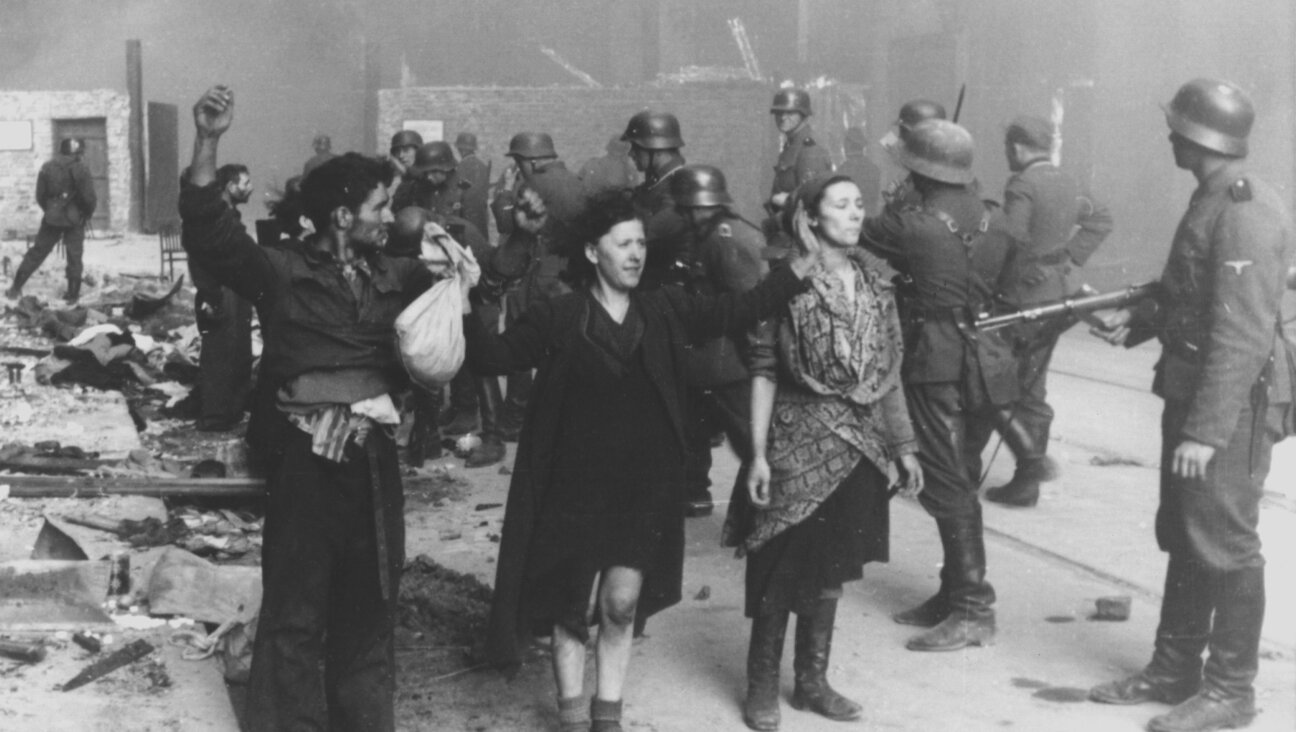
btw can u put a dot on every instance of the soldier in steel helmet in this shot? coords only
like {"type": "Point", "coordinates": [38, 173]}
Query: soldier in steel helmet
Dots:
{"type": "Point", "coordinates": [1217, 315]}
{"type": "Point", "coordinates": [655, 141]}
{"type": "Point", "coordinates": [403, 149]}
{"type": "Point", "coordinates": [66, 196]}
{"type": "Point", "coordinates": [476, 172]}
{"type": "Point", "coordinates": [801, 157]}
{"type": "Point", "coordinates": [911, 113]}
{"type": "Point", "coordinates": [1055, 225]}
{"type": "Point", "coordinates": [538, 188]}
{"type": "Point", "coordinates": [724, 255]}
{"type": "Point", "coordinates": [944, 243]}
{"type": "Point", "coordinates": [431, 182]}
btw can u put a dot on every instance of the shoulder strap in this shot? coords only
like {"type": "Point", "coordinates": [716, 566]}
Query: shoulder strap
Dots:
{"type": "Point", "coordinates": [968, 238]}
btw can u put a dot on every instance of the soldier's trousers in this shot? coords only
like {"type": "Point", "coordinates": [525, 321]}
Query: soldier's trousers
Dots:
{"type": "Point", "coordinates": [225, 362]}
{"type": "Point", "coordinates": [724, 408]}
{"type": "Point", "coordinates": [73, 243]}
{"type": "Point", "coordinates": [324, 656]}
{"type": "Point", "coordinates": [1032, 409]}
{"type": "Point", "coordinates": [1213, 519]}
{"type": "Point", "coordinates": [941, 418]}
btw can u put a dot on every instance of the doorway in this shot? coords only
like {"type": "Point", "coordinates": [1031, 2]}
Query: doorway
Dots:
{"type": "Point", "coordinates": [93, 131]}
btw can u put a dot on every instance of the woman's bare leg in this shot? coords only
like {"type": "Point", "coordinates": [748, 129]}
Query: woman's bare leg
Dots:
{"type": "Point", "coordinates": [618, 599]}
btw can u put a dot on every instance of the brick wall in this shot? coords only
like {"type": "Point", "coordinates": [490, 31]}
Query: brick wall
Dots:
{"type": "Point", "coordinates": [18, 168]}
{"type": "Point", "coordinates": [724, 124]}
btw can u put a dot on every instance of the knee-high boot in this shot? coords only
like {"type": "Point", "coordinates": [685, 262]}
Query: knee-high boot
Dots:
{"type": "Point", "coordinates": [1175, 671]}
{"type": "Point", "coordinates": [764, 656]}
{"type": "Point", "coordinates": [971, 620]}
{"type": "Point", "coordinates": [937, 607]}
{"type": "Point", "coordinates": [1227, 698]}
{"type": "Point", "coordinates": [1033, 465]}
{"type": "Point", "coordinates": [813, 647]}
{"type": "Point", "coordinates": [490, 402]}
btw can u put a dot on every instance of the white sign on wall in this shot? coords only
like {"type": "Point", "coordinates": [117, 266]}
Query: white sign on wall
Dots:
{"type": "Point", "coordinates": [431, 130]}
{"type": "Point", "coordinates": [15, 134]}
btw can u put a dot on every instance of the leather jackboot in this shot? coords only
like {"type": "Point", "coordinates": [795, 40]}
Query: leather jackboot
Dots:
{"type": "Point", "coordinates": [491, 402]}
{"type": "Point", "coordinates": [1227, 698]}
{"type": "Point", "coordinates": [462, 416]}
{"type": "Point", "coordinates": [971, 621]}
{"type": "Point", "coordinates": [764, 657]}
{"type": "Point", "coordinates": [1174, 674]}
{"type": "Point", "coordinates": [937, 607]}
{"type": "Point", "coordinates": [1033, 465]}
{"type": "Point", "coordinates": [73, 291]}
{"type": "Point", "coordinates": [605, 715]}
{"type": "Point", "coordinates": [813, 647]}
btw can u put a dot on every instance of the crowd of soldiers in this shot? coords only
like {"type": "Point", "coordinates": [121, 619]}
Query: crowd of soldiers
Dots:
{"type": "Point", "coordinates": [954, 257]}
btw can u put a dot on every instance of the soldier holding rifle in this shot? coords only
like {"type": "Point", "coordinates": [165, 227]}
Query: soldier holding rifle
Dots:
{"type": "Point", "coordinates": [1217, 317]}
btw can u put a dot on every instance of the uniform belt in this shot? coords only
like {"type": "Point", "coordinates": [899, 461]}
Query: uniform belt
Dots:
{"type": "Point", "coordinates": [953, 313]}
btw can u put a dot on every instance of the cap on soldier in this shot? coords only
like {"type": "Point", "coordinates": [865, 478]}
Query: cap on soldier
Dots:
{"type": "Point", "coordinates": [1214, 114]}
{"type": "Point", "coordinates": [434, 156]}
{"type": "Point", "coordinates": [406, 138]}
{"type": "Point", "coordinates": [1030, 131]}
{"type": "Point", "coordinates": [530, 145]}
{"type": "Point", "coordinates": [699, 185]}
{"type": "Point", "coordinates": [654, 131]}
{"type": "Point", "coordinates": [466, 141]}
{"type": "Point", "coordinates": [937, 149]}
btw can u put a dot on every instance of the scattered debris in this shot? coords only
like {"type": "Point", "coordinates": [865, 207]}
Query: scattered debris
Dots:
{"type": "Point", "coordinates": [25, 652]}
{"type": "Point", "coordinates": [122, 657]}
{"type": "Point", "coordinates": [703, 594]}
{"type": "Point", "coordinates": [1115, 608]}
{"type": "Point", "coordinates": [1105, 461]}
{"type": "Point", "coordinates": [91, 642]}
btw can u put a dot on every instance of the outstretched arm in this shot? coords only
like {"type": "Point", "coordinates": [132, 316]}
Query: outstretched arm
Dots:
{"type": "Point", "coordinates": [213, 115]}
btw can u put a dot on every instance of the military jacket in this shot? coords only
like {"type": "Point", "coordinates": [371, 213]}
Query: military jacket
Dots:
{"type": "Point", "coordinates": [802, 158]}
{"type": "Point", "coordinates": [667, 234]}
{"type": "Point", "coordinates": [1219, 300]}
{"type": "Point", "coordinates": [1054, 225]}
{"type": "Point", "coordinates": [446, 200]}
{"type": "Point", "coordinates": [562, 192]}
{"type": "Point", "coordinates": [948, 251]}
{"type": "Point", "coordinates": [65, 191]}
{"type": "Point", "coordinates": [726, 257]}
{"type": "Point", "coordinates": [475, 204]}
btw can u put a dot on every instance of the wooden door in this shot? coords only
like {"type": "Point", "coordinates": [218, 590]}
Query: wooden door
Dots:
{"type": "Point", "coordinates": [93, 132]}
{"type": "Point", "coordinates": [162, 201]}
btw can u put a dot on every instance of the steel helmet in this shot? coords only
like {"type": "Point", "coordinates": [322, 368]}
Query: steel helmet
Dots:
{"type": "Point", "coordinates": [530, 145]}
{"type": "Point", "coordinates": [434, 156]}
{"type": "Point", "coordinates": [937, 149]}
{"type": "Point", "coordinates": [406, 138]}
{"type": "Point", "coordinates": [466, 141]}
{"type": "Point", "coordinates": [919, 110]}
{"type": "Point", "coordinates": [1214, 114]}
{"type": "Point", "coordinates": [654, 131]}
{"type": "Point", "coordinates": [791, 100]}
{"type": "Point", "coordinates": [699, 185]}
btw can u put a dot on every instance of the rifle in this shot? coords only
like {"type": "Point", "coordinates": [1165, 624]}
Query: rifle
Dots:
{"type": "Point", "coordinates": [958, 106]}
{"type": "Point", "coordinates": [1069, 310]}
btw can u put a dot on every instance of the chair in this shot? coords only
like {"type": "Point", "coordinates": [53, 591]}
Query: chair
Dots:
{"type": "Point", "coordinates": [169, 248]}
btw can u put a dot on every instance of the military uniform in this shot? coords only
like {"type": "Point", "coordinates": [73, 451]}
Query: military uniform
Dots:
{"type": "Point", "coordinates": [65, 193]}
{"type": "Point", "coordinates": [444, 200]}
{"type": "Point", "coordinates": [665, 231]}
{"type": "Point", "coordinates": [726, 257]}
{"type": "Point", "coordinates": [1216, 317]}
{"type": "Point", "coordinates": [801, 159]}
{"type": "Point", "coordinates": [952, 375]}
{"type": "Point", "coordinates": [476, 173]}
{"type": "Point", "coordinates": [1054, 225]}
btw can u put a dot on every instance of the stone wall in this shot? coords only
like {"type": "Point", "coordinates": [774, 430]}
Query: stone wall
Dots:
{"type": "Point", "coordinates": [18, 168]}
{"type": "Point", "coordinates": [724, 124]}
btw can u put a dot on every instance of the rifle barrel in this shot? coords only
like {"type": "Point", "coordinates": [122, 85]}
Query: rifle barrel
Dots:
{"type": "Point", "coordinates": [1068, 306]}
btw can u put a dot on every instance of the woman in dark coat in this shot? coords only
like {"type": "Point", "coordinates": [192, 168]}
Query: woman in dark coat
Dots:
{"type": "Point", "coordinates": [828, 421]}
{"type": "Point", "coordinates": [594, 525]}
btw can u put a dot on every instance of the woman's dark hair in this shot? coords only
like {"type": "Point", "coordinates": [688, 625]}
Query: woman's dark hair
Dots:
{"type": "Point", "coordinates": [346, 180]}
{"type": "Point", "coordinates": [602, 211]}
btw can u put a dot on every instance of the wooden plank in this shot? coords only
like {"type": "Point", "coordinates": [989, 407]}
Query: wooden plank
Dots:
{"type": "Point", "coordinates": [54, 486]}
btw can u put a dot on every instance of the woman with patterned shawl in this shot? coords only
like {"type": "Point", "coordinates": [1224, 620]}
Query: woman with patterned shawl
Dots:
{"type": "Point", "coordinates": [828, 422]}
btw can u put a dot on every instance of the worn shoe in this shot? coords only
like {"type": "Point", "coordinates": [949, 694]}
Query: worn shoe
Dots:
{"type": "Point", "coordinates": [1140, 689]}
{"type": "Point", "coordinates": [927, 615]}
{"type": "Point", "coordinates": [459, 423]}
{"type": "Point", "coordinates": [1023, 490]}
{"type": "Point", "coordinates": [1204, 712]}
{"type": "Point", "coordinates": [605, 715]}
{"type": "Point", "coordinates": [490, 451]}
{"type": "Point", "coordinates": [573, 715]}
{"type": "Point", "coordinates": [812, 691]}
{"type": "Point", "coordinates": [764, 656]}
{"type": "Point", "coordinates": [955, 632]}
